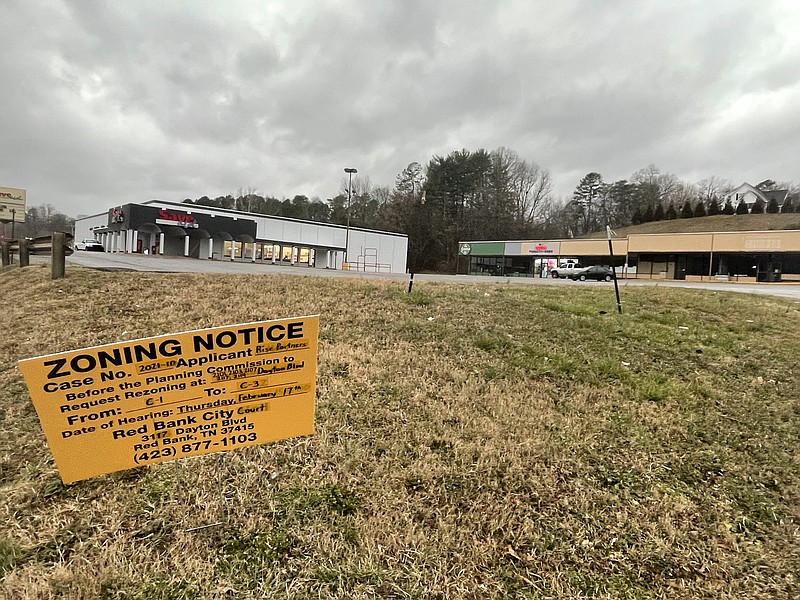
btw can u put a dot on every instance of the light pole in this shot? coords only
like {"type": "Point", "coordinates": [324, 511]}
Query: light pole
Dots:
{"type": "Point", "coordinates": [349, 172]}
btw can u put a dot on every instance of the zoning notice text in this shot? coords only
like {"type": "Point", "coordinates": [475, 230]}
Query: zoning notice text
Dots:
{"type": "Point", "coordinates": [142, 402]}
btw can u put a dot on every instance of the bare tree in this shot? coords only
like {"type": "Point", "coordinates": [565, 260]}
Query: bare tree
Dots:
{"type": "Point", "coordinates": [362, 186]}
{"type": "Point", "coordinates": [531, 185]}
{"type": "Point", "coordinates": [681, 193]}
{"type": "Point", "coordinates": [713, 188]}
{"type": "Point", "coordinates": [650, 175]}
{"type": "Point", "coordinates": [44, 220]}
{"type": "Point", "coordinates": [382, 194]}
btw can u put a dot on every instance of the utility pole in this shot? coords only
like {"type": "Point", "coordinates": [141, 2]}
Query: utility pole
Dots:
{"type": "Point", "coordinates": [349, 172]}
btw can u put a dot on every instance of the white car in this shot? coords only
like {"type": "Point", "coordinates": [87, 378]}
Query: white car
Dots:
{"type": "Point", "coordinates": [565, 271]}
{"type": "Point", "coordinates": [90, 245]}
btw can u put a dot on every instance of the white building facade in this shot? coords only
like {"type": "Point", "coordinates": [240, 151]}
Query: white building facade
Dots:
{"type": "Point", "coordinates": [207, 233]}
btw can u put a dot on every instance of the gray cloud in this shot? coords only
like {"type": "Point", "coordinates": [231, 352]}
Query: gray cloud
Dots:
{"type": "Point", "coordinates": [119, 102]}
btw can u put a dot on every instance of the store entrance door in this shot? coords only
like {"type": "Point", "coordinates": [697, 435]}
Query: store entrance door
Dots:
{"type": "Point", "coordinates": [680, 268]}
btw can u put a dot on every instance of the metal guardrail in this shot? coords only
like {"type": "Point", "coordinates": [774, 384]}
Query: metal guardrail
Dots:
{"type": "Point", "coordinates": [58, 246]}
{"type": "Point", "coordinates": [42, 245]}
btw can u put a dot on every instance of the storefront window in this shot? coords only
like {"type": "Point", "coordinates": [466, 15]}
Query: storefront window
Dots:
{"type": "Point", "coordinates": [486, 265]}
{"type": "Point", "coordinates": [508, 265]}
{"type": "Point", "coordinates": [287, 253]}
{"type": "Point", "coordinates": [303, 255]}
{"type": "Point", "coordinates": [267, 255]}
{"type": "Point", "coordinates": [237, 249]}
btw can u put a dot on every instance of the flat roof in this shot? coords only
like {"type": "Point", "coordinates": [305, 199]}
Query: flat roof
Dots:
{"type": "Point", "coordinates": [231, 211]}
{"type": "Point", "coordinates": [212, 209]}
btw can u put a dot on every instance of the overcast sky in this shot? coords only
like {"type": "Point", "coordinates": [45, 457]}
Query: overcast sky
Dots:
{"type": "Point", "coordinates": [105, 103]}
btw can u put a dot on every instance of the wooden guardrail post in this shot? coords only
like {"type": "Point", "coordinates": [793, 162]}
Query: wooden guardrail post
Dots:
{"type": "Point", "coordinates": [58, 255]}
{"type": "Point", "coordinates": [24, 253]}
{"type": "Point", "coordinates": [5, 251]}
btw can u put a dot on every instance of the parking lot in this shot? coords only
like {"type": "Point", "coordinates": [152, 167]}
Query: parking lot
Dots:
{"type": "Point", "coordinates": [173, 264]}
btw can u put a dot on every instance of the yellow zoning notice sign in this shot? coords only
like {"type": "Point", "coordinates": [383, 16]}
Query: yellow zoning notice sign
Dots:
{"type": "Point", "coordinates": [143, 402]}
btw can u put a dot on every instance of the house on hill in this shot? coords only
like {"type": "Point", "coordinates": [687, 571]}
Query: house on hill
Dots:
{"type": "Point", "coordinates": [751, 193]}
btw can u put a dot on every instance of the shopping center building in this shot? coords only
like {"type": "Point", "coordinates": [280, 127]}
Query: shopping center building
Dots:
{"type": "Point", "coordinates": [181, 229]}
{"type": "Point", "coordinates": [748, 256]}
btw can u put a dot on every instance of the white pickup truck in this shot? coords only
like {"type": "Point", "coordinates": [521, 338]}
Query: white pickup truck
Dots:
{"type": "Point", "coordinates": [565, 271]}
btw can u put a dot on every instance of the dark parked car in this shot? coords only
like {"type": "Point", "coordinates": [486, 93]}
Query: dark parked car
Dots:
{"type": "Point", "coordinates": [597, 273]}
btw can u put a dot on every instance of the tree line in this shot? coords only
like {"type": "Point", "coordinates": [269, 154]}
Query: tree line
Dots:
{"type": "Point", "coordinates": [498, 195]}
{"type": "Point", "coordinates": [481, 195]}
{"type": "Point", "coordinates": [39, 221]}
{"type": "Point", "coordinates": [650, 195]}
{"type": "Point", "coordinates": [464, 195]}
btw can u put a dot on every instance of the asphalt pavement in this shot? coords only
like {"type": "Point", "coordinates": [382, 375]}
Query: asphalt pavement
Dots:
{"type": "Point", "coordinates": [179, 264]}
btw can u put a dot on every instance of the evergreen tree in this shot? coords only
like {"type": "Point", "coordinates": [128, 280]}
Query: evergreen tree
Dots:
{"type": "Point", "coordinates": [408, 212]}
{"type": "Point", "coordinates": [788, 206]}
{"type": "Point", "coordinates": [728, 208]}
{"type": "Point", "coordinates": [636, 219]}
{"type": "Point", "coordinates": [700, 209]}
{"type": "Point", "coordinates": [686, 211]}
{"type": "Point", "coordinates": [741, 208]}
{"type": "Point", "coordinates": [758, 207]}
{"type": "Point", "coordinates": [671, 213]}
{"type": "Point", "coordinates": [622, 197]}
{"type": "Point", "coordinates": [713, 207]}
{"type": "Point", "coordinates": [648, 216]}
{"type": "Point", "coordinates": [773, 207]}
{"type": "Point", "coordinates": [587, 195]}
{"type": "Point", "coordinates": [658, 214]}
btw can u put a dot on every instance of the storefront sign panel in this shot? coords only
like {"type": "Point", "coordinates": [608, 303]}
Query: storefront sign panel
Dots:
{"type": "Point", "coordinates": [540, 248]}
{"type": "Point", "coordinates": [181, 219]}
{"type": "Point", "coordinates": [487, 248]}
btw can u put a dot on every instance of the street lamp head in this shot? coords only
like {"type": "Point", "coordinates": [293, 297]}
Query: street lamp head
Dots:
{"type": "Point", "coordinates": [349, 170]}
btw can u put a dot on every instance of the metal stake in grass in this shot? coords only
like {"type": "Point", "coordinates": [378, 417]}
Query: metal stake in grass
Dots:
{"type": "Point", "coordinates": [613, 270]}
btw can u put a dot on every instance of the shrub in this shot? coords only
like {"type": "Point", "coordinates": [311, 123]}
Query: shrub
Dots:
{"type": "Point", "coordinates": [700, 209]}
{"type": "Point", "coordinates": [772, 207]}
{"type": "Point", "coordinates": [728, 208]}
{"type": "Point", "coordinates": [741, 208]}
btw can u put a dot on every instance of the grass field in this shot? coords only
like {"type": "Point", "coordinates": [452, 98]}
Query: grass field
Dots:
{"type": "Point", "coordinates": [472, 442]}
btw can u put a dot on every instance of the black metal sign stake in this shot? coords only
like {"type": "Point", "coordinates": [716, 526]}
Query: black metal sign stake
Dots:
{"type": "Point", "coordinates": [613, 270]}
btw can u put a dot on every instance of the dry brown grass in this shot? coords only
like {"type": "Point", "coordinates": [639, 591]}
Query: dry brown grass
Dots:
{"type": "Point", "coordinates": [472, 442]}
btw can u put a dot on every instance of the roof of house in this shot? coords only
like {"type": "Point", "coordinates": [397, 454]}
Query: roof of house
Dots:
{"type": "Point", "coordinates": [779, 195]}
{"type": "Point", "coordinates": [765, 195]}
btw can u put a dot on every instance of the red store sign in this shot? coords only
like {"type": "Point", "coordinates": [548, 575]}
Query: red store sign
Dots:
{"type": "Point", "coordinates": [166, 217]}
